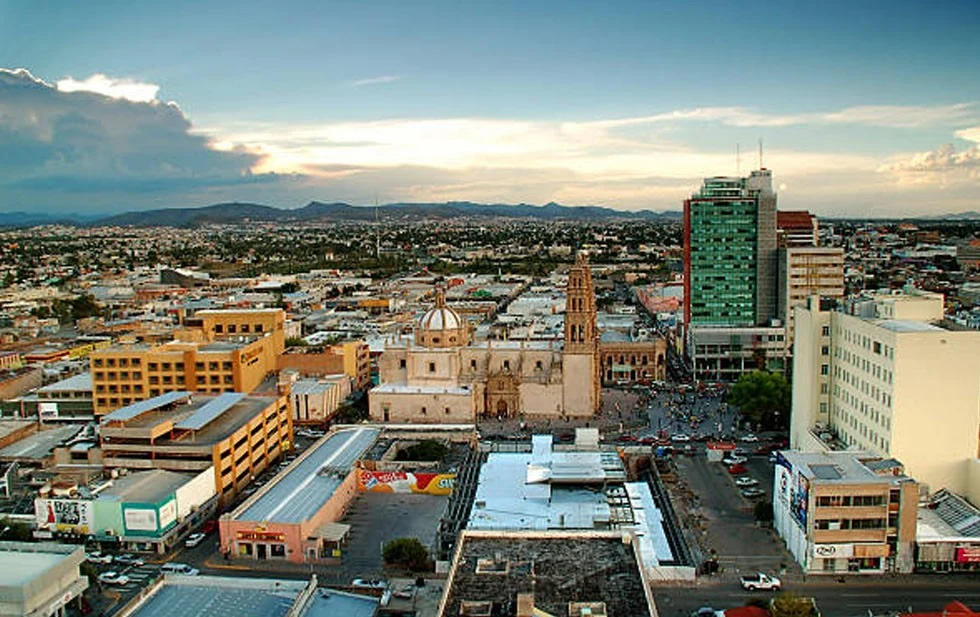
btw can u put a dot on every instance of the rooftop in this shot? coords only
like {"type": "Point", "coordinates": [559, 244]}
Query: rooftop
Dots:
{"type": "Point", "coordinates": [141, 407]}
{"type": "Point", "coordinates": [145, 486]}
{"type": "Point", "coordinates": [76, 383]}
{"type": "Point", "coordinates": [839, 467]}
{"type": "Point", "coordinates": [300, 491]}
{"type": "Point", "coordinates": [908, 325]}
{"type": "Point", "coordinates": [403, 388]}
{"type": "Point", "coordinates": [556, 571]}
{"type": "Point", "coordinates": [39, 445]}
{"type": "Point", "coordinates": [206, 596]}
{"type": "Point", "coordinates": [21, 563]}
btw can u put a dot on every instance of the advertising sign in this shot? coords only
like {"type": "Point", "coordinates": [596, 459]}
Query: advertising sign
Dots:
{"type": "Point", "coordinates": [140, 519]}
{"type": "Point", "coordinates": [168, 514]}
{"type": "Point", "coordinates": [784, 476]}
{"type": "Point", "coordinates": [65, 515]}
{"type": "Point", "coordinates": [261, 536]}
{"type": "Point", "coordinates": [405, 482]}
{"type": "Point", "coordinates": [47, 411]}
{"type": "Point", "coordinates": [833, 551]}
{"type": "Point", "coordinates": [800, 500]}
{"type": "Point", "coordinates": [968, 554]}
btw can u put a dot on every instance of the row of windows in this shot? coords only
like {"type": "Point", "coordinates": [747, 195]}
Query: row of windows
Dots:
{"type": "Point", "coordinates": [113, 362]}
{"type": "Point", "coordinates": [844, 501]}
{"type": "Point", "coordinates": [235, 328]}
{"type": "Point", "coordinates": [856, 523]}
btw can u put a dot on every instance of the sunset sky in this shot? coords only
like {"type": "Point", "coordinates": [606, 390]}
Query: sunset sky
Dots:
{"type": "Point", "coordinates": [865, 108]}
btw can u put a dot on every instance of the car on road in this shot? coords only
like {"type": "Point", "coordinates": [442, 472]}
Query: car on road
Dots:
{"type": "Point", "coordinates": [209, 526]}
{"type": "Point", "coordinates": [707, 611]}
{"type": "Point", "coordinates": [194, 539]}
{"type": "Point", "coordinates": [98, 557]}
{"type": "Point", "coordinates": [759, 580]}
{"type": "Point", "coordinates": [745, 482]}
{"type": "Point", "coordinates": [680, 437]}
{"type": "Point", "coordinates": [737, 469]}
{"type": "Point", "coordinates": [128, 559]}
{"type": "Point", "coordinates": [179, 568]}
{"type": "Point", "coordinates": [113, 578]}
{"type": "Point", "coordinates": [369, 583]}
{"type": "Point", "coordinates": [753, 492]}
{"type": "Point", "coordinates": [750, 438]}
{"type": "Point", "coordinates": [734, 460]}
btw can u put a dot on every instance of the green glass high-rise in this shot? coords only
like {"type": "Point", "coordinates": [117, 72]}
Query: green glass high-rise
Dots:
{"type": "Point", "coordinates": [730, 251]}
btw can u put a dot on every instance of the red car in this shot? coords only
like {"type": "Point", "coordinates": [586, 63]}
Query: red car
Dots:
{"type": "Point", "coordinates": [737, 468]}
{"type": "Point", "coordinates": [209, 526]}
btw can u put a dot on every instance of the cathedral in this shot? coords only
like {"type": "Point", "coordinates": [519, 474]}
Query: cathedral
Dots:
{"type": "Point", "coordinates": [444, 376]}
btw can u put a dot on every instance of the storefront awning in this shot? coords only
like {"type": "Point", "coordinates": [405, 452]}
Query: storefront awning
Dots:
{"type": "Point", "coordinates": [332, 532]}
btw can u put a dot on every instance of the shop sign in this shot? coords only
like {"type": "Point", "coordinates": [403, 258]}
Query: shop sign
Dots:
{"type": "Point", "coordinates": [261, 536]}
{"type": "Point", "coordinates": [968, 554]}
{"type": "Point", "coordinates": [833, 551]}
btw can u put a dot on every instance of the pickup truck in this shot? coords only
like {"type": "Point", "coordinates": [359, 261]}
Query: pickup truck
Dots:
{"type": "Point", "coordinates": [760, 581]}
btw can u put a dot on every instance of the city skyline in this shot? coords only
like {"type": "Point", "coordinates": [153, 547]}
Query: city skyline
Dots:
{"type": "Point", "coordinates": [868, 110]}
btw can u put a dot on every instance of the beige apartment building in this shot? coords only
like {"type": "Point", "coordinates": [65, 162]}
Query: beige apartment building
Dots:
{"type": "Point", "coordinates": [219, 351]}
{"type": "Point", "coordinates": [806, 271]}
{"type": "Point", "coordinates": [845, 512]}
{"type": "Point", "coordinates": [884, 376]}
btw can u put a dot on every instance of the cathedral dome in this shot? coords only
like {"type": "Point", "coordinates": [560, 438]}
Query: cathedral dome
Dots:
{"type": "Point", "coordinates": [440, 318]}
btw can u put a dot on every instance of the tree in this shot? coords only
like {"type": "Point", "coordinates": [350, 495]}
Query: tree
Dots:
{"type": "Point", "coordinates": [763, 397]}
{"type": "Point", "coordinates": [295, 341]}
{"type": "Point", "coordinates": [427, 450]}
{"type": "Point", "coordinates": [792, 605]}
{"type": "Point", "coordinates": [407, 553]}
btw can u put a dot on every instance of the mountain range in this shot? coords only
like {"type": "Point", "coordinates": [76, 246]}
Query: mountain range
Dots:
{"type": "Point", "coordinates": [230, 213]}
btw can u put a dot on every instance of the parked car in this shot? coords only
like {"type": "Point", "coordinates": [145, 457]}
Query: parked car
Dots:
{"type": "Point", "coordinates": [759, 580]}
{"type": "Point", "coordinates": [406, 591]}
{"type": "Point", "coordinates": [194, 539]}
{"type": "Point", "coordinates": [737, 468]}
{"type": "Point", "coordinates": [753, 492]}
{"type": "Point", "coordinates": [98, 557]}
{"type": "Point", "coordinates": [113, 578]}
{"type": "Point", "coordinates": [209, 526]}
{"type": "Point", "coordinates": [734, 460]}
{"type": "Point", "coordinates": [179, 568]}
{"type": "Point", "coordinates": [772, 457]}
{"type": "Point", "coordinates": [369, 583]}
{"type": "Point", "coordinates": [745, 482]}
{"type": "Point", "coordinates": [750, 438]}
{"type": "Point", "coordinates": [680, 437]}
{"type": "Point", "coordinates": [129, 560]}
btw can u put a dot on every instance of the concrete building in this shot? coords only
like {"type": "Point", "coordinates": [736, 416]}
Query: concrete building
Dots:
{"type": "Point", "coordinates": [316, 401]}
{"type": "Point", "coordinates": [235, 434]}
{"type": "Point", "coordinates": [796, 228]}
{"type": "Point", "coordinates": [947, 536]}
{"type": "Point", "coordinates": [626, 361]}
{"type": "Point", "coordinates": [65, 400]}
{"type": "Point", "coordinates": [40, 580]}
{"type": "Point", "coordinates": [213, 596]}
{"type": "Point", "coordinates": [806, 271]}
{"type": "Point", "coordinates": [219, 351]}
{"type": "Point", "coordinates": [883, 376]}
{"type": "Point", "coordinates": [845, 512]}
{"type": "Point", "coordinates": [351, 358]}
{"type": "Point", "coordinates": [528, 574]}
{"type": "Point", "coordinates": [145, 511]}
{"type": "Point", "coordinates": [442, 376]}
{"type": "Point", "coordinates": [294, 517]}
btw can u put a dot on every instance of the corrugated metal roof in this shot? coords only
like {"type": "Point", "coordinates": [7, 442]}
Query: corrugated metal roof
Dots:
{"type": "Point", "coordinates": [210, 411]}
{"type": "Point", "coordinates": [141, 407]}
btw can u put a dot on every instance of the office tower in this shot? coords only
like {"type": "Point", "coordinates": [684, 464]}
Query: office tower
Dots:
{"type": "Point", "coordinates": [806, 271]}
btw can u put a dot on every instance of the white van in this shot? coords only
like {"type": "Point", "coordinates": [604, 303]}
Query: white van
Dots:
{"type": "Point", "coordinates": [179, 568]}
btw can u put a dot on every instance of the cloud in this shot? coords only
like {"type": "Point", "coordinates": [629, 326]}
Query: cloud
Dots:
{"type": "Point", "coordinates": [374, 81]}
{"type": "Point", "coordinates": [83, 141]}
{"type": "Point", "coordinates": [943, 166]}
{"type": "Point", "coordinates": [127, 89]}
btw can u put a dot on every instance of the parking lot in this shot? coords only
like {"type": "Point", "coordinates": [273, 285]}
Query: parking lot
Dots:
{"type": "Point", "coordinates": [377, 518]}
{"type": "Point", "coordinates": [722, 521]}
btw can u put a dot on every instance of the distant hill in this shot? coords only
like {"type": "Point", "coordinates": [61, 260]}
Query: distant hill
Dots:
{"type": "Point", "coordinates": [327, 212]}
{"type": "Point", "coordinates": [30, 219]}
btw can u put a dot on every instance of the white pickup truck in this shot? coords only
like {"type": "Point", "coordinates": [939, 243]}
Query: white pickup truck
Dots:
{"type": "Point", "coordinates": [760, 581]}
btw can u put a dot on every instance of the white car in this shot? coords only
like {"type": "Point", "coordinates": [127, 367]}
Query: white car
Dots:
{"type": "Point", "coordinates": [745, 482]}
{"type": "Point", "coordinates": [734, 460]}
{"type": "Point", "coordinates": [179, 568]}
{"type": "Point", "coordinates": [759, 580]}
{"type": "Point", "coordinates": [369, 583]}
{"type": "Point", "coordinates": [750, 438]}
{"type": "Point", "coordinates": [113, 578]}
{"type": "Point", "coordinates": [680, 437]}
{"type": "Point", "coordinates": [194, 539]}
{"type": "Point", "coordinates": [98, 557]}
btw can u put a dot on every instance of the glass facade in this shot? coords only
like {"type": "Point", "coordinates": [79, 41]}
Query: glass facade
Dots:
{"type": "Point", "coordinates": [723, 254]}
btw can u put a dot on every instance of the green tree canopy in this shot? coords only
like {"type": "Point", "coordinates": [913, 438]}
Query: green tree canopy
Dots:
{"type": "Point", "coordinates": [792, 605]}
{"type": "Point", "coordinates": [763, 397]}
{"type": "Point", "coordinates": [407, 553]}
{"type": "Point", "coordinates": [427, 450]}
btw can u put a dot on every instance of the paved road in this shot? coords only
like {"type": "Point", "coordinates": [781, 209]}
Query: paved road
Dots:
{"type": "Point", "coordinates": [851, 599]}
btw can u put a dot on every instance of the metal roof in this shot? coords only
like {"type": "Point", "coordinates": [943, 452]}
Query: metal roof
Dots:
{"type": "Point", "coordinates": [141, 407]}
{"type": "Point", "coordinates": [211, 411]}
{"type": "Point", "coordinates": [309, 483]}
{"type": "Point", "coordinates": [220, 598]}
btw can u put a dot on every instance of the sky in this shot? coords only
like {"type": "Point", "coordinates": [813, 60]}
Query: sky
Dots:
{"type": "Point", "coordinates": [863, 108]}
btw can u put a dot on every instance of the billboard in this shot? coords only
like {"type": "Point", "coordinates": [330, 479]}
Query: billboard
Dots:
{"type": "Point", "coordinates": [47, 411]}
{"type": "Point", "coordinates": [140, 519]}
{"type": "Point", "coordinates": [968, 554]}
{"type": "Point", "coordinates": [64, 515]}
{"type": "Point", "coordinates": [168, 514]}
{"type": "Point", "coordinates": [800, 501]}
{"type": "Point", "coordinates": [405, 482]}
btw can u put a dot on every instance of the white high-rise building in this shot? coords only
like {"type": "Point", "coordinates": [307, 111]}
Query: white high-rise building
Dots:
{"type": "Point", "coordinates": [884, 377]}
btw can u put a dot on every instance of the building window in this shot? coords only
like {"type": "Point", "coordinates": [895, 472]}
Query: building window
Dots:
{"type": "Point", "coordinates": [825, 331]}
{"type": "Point", "coordinates": [538, 366]}
{"type": "Point", "coordinates": [447, 411]}
{"type": "Point", "coordinates": [432, 367]}
{"type": "Point", "coordinates": [824, 369]}
{"type": "Point", "coordinates": [244, 328]}
{"type": "Point", "coordinates": [401, 363]}
{"type": "Point", "coordinates": [258, 327]}
{"type": "Point", "coordinates": [232, 329]}
{"type": "Point", "coordinates": [473, 365]}
{"type": "Point", "coordinates": [219, 328]}
{"type": "Point", "coordinates": [506, 365]}
{"type": "Point", "coordinates": [825, 351]}
{"type": "Point", "coordinates": [424, 411]}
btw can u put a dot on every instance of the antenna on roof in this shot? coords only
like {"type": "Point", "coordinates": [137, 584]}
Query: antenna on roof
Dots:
{"type": "Point", "coordinates": [377, 230]}
{"type": "Point", "coordinates": [738, 160]}
{"type": "Point", "coordinates": [760, 154]}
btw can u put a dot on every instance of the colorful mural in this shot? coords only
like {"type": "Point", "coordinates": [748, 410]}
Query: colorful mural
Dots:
{"type": "Point", "coordinates": [405, 482]}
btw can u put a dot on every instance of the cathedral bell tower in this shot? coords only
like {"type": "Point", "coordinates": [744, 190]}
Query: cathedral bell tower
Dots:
{"type": "Point", "coordinates": [581, 355]}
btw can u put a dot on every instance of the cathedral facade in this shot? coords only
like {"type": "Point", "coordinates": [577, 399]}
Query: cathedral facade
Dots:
{"type": "Point", "coordinates": [444, 376]}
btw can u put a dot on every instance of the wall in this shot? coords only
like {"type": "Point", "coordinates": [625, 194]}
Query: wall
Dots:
{"type": "Point", "coordinates": [196, 492]}
{"type": "Point", "coordinates": [578, 385]}
{"type": "Point", "coordinates": [406, 407]}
